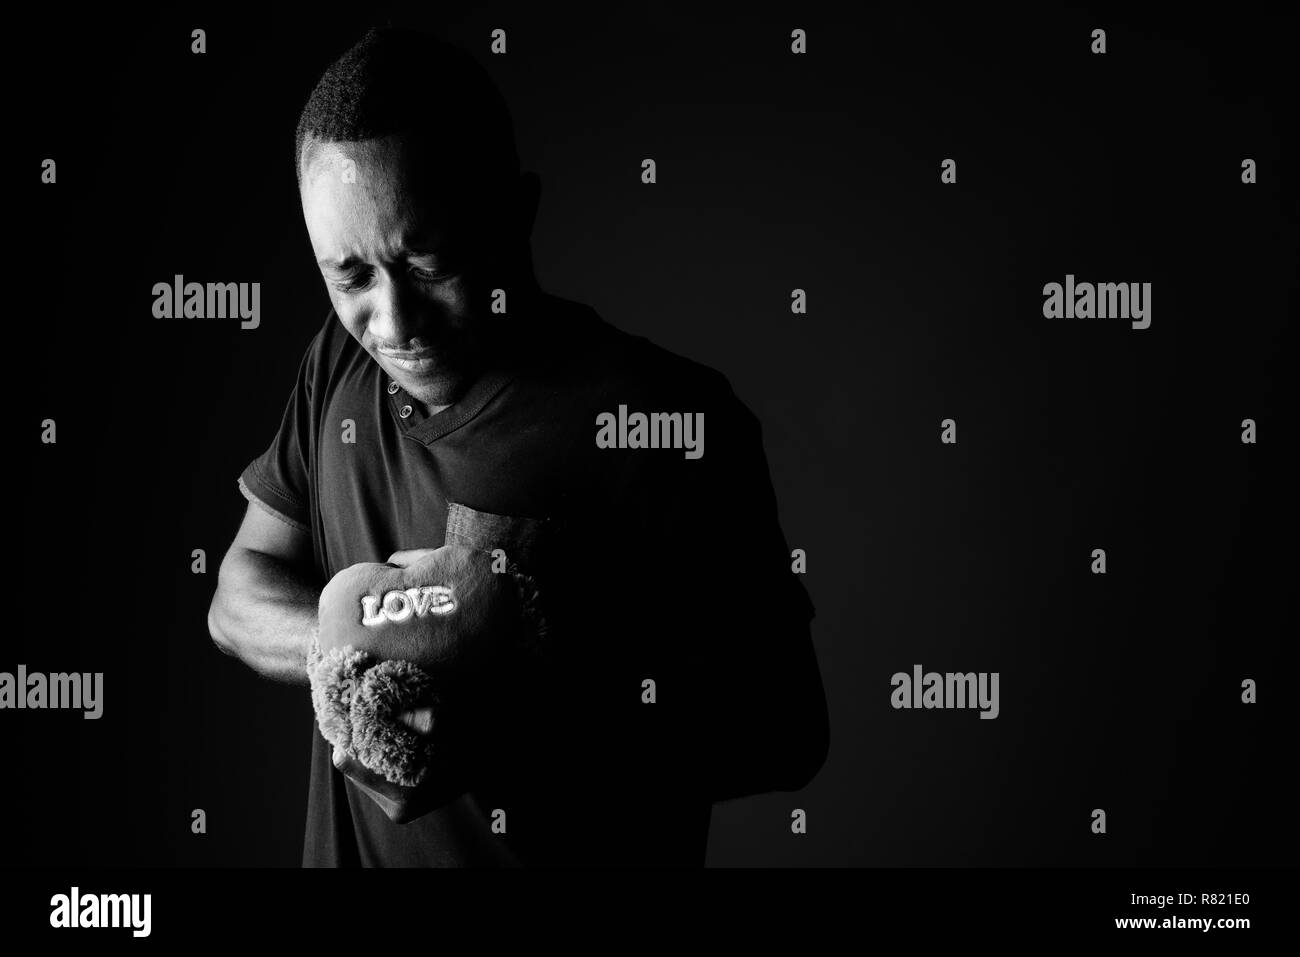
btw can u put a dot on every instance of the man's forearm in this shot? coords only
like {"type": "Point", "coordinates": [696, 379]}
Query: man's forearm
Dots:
{"type": "Point", "coordinates": [264, 613]}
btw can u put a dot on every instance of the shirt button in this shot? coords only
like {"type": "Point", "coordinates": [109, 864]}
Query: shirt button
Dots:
{"type": "Point", "coordinates": [392, 388]}
{"type": "Point", "coordinates": [406, 411]}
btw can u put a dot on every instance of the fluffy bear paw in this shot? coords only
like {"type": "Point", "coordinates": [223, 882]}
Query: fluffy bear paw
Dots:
{"type": "Point", "coordinates": [358, 698]}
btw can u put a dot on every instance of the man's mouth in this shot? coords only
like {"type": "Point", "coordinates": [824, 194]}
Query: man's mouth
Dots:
{"type": "Point", "coordinates": [421, 360]}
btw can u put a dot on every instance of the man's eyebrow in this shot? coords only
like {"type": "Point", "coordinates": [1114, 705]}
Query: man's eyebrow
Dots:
{"type": "Point", "coordinates": [416, 246]}
{"type": "Point", "coordinates": [424, 245]}
{"type": "Point", "coordinates": [345, 263]}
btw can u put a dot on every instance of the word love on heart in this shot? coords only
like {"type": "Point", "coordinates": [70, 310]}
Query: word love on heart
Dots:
{"type": "Point", "coordinates": [397, 606]}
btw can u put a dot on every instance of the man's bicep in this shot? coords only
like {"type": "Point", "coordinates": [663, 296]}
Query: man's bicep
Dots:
{"type": "Point", "coordinates": [269, 534]}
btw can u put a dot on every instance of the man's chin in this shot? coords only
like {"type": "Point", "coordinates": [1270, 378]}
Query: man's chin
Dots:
{"type": "Point", "coordinates": [437, 383]}
{"type": "Point", "coordinates": [433, 390]}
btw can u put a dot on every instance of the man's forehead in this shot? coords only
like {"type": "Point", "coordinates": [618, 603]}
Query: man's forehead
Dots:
{"type": "Point", "coordinates": [388, 177]}
{"type": "Point", "coordinates": [365, 163]}
{"type": "Point", "coordinates": [390, 192]}
{"type": "Point", "coordinates": [413, 162]}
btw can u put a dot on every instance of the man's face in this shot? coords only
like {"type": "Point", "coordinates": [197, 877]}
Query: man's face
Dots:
{"type": "Point", "coordinates": [400, 267]}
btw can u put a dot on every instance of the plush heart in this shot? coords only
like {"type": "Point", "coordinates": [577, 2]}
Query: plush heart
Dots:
{"type": "Point", "coordinates": [446, 613]}
{"type": "Point", "coordinates": [394, 638]}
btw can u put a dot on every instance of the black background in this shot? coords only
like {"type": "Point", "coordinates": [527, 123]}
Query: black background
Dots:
{"type": "Point", "coordinates": [775, 171]}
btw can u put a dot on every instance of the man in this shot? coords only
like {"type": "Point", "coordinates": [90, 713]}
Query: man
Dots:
{"type": "Point", "coordinates": [679, 668]}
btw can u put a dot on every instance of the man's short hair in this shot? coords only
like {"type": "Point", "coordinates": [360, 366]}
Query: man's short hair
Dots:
{"type": "Point", "coordinates": [402, 81]}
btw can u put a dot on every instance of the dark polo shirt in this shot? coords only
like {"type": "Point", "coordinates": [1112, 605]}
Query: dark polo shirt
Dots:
{"type": "Point", "coordinates": [653, 567]}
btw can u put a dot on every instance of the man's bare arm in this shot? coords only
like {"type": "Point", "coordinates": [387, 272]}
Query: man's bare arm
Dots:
{"type": "Point", "coordinates": [265, 609]}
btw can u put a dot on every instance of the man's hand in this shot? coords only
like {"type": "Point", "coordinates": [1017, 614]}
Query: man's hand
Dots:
{"type": "Point", "coordinates": [409, 556]}
{"type": "Point", "coordinates": [431, 636]}
{"type": "Point", "coordinates": [403, 804]}
{"type": "Point", "coordinates": [435, 641]}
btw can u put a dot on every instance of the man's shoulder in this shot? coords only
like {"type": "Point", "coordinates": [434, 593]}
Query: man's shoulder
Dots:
{"type": "Point", "coordinates": [332, 342]}
{"type": "Point", "coordinates": [331, 355]}
{"type": "Point", "coordinates": [625, 362]}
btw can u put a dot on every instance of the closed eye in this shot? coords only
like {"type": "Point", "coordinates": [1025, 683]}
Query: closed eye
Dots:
{"type": "Point", "coordinates": [355, 280]}
{"type": "Point", "coordinates": [429, 275]}
{"type": "Point", "coordinates": [429, 268]}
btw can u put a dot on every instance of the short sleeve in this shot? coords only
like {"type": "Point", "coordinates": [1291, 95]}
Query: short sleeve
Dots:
{"type": "Point", "coordinates": [278, 480]}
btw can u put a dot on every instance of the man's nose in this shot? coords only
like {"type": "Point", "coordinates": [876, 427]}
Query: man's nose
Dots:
{"type": "Point", "coordinates": [399, 315]}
